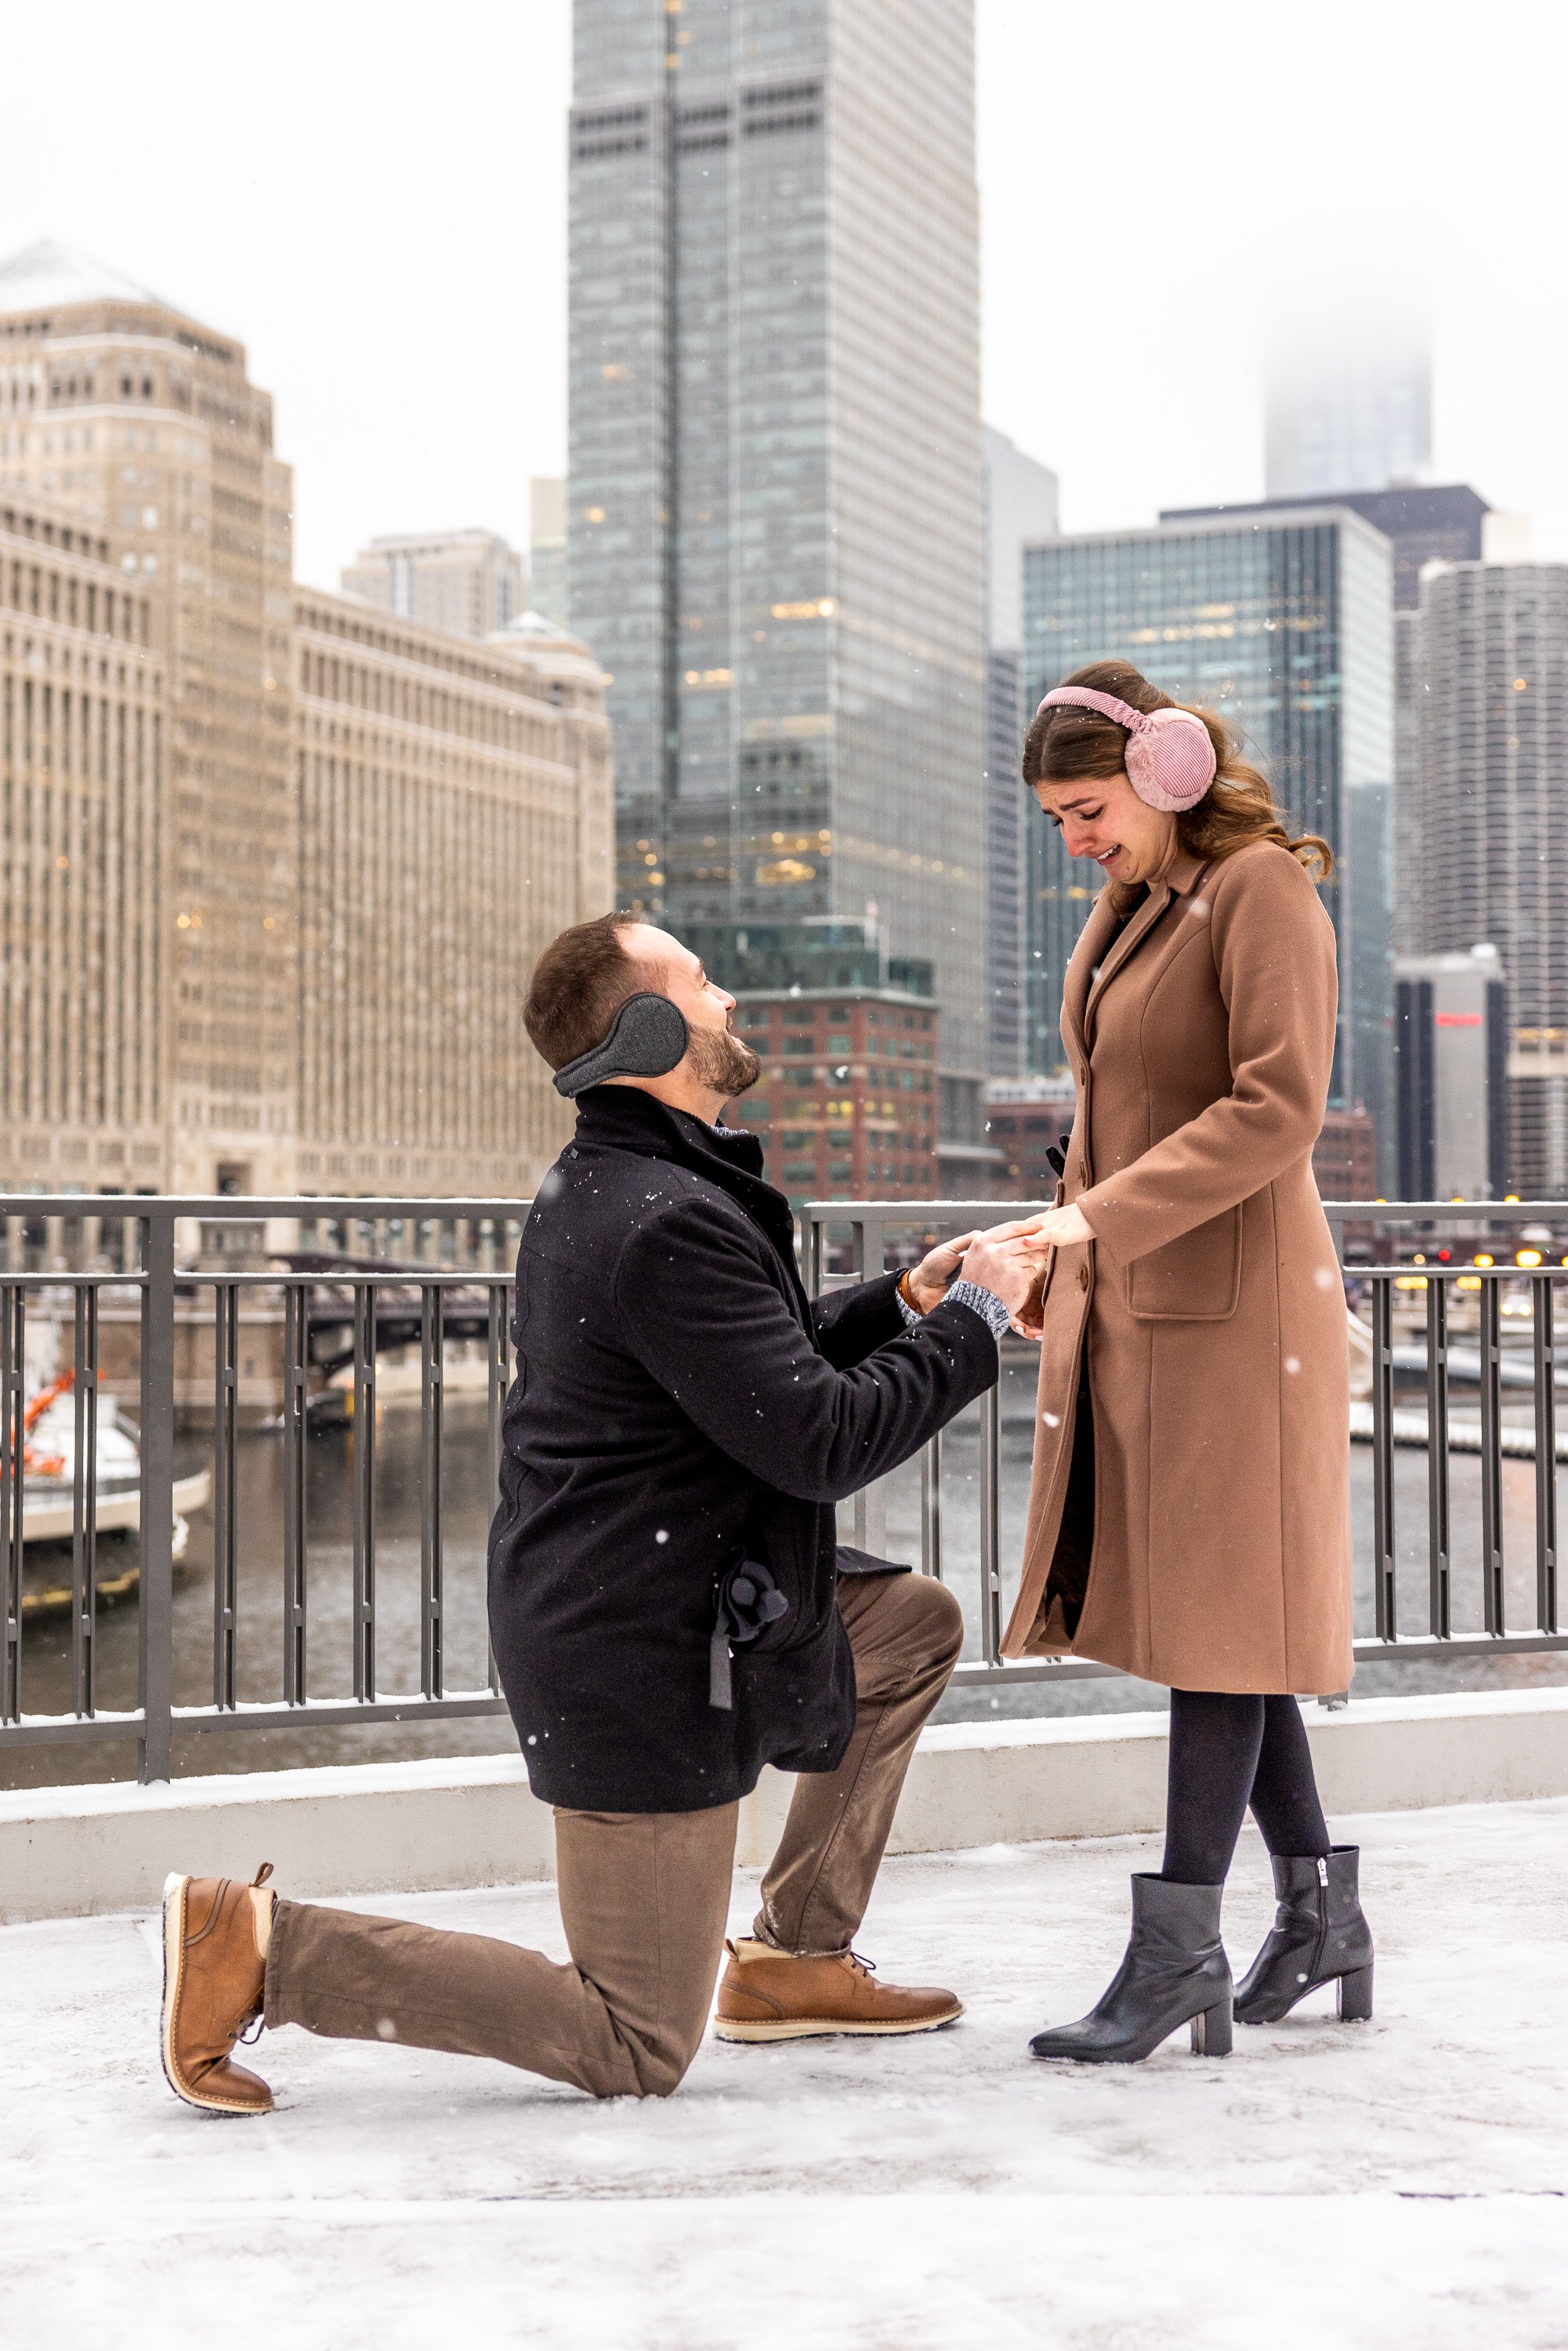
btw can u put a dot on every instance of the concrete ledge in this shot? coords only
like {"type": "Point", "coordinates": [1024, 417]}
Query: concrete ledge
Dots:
{"type": "Point", "coordinates": [384, 1827]}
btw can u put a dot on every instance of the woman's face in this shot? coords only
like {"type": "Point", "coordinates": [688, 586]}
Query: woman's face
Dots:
{"type": "Point", "coordinates": [1102, 818]}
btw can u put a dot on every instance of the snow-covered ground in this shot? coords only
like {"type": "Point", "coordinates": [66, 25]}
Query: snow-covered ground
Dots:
{"type": "Point", "coordinates": [1403, 2183]}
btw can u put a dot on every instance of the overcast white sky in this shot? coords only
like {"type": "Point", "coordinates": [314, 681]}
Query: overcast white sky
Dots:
{"type": "Point", "coordinates": [372, 194]}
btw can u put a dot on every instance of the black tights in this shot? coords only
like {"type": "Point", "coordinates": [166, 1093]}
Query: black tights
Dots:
{"type": "Point", "coordinates": [1226, 1751]}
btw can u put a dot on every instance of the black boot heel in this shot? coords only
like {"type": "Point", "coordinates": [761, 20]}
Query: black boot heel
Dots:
{"type": "Point", "coordinates": [1211, 2031]}
{"type": "Point", "coordinates": [1355, 1996]}
{"type": "Point", "coordinates": [1175, 1973]}
{"type": "Point", "coordinates": [1320, 1936]}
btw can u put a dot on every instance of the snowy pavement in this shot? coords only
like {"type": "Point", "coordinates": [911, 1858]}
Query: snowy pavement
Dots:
{"type": "Point", "coordinates": [1403, 2183]}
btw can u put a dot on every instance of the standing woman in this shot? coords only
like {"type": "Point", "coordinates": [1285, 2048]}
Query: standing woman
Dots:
{"type": "Point", "coordinates": [1189, 1516]}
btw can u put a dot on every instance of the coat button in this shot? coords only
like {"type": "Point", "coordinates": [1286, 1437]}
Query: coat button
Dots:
{"type": "Point", "coordinates": [1083, 1276]}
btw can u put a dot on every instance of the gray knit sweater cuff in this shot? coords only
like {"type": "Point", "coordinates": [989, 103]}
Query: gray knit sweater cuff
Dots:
{"type": "Point", "coordinates": [983, 1303]}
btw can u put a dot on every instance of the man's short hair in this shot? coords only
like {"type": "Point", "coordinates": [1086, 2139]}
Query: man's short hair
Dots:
{"type": "Point", "coordinates": [579, 985]}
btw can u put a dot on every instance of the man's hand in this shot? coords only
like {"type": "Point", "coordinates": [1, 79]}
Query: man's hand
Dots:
{"type": "Point", "coordinates": [930, 1279]}
{"type": "Point", "coordinates": [1008, 1261]}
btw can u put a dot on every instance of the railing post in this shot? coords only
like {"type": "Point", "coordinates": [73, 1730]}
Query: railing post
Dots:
{"type": "Point", "coordinates": [1385, 1587]}
{"type": "Point", "coordinates": [1438, 1533]}
{"type": "Point", "coordinates": [225, 1521]}
{"type": "Point", "coordinates": [364, 1454]}
{"type": "Point", "coordinates": [990, 1524]}
{"type": "Point", "coordinates": [84, 1505]}
{"type": "Point", "coordinates": [1543, 1328]}
{"type": "Point", "coordinates": [156, 1628]}
{"type": "Point", "coordinates": [1491, 1453]}
{"type": "Point", "coordinates": [931, 1507]}
{"type": "Point", "coordinates": [12, 1441]}
{"type": "Point", "coordinates": [432, 1347]}
{"type": "Point", "coordinates": [871, 1502]}
{"type": "Point", "coordinates": [296, 1357]}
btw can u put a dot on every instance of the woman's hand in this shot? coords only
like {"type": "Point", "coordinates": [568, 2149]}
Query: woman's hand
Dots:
{"type": "Point", "coordinates": [1062, 1226]}
{"type": "Point", "coordinates": [1059, 1228]}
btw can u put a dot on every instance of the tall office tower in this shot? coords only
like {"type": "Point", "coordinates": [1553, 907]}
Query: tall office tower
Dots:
{"type": "Point", "coordinates": [1443, 522]}
{"type": "Point", "coordinates": [1007, 865]}
{"type": "Point", "coordinates": [85, 1038]}
{"type": "Point", "coordinates": [1286, 627]}
{"type": "Point", "coordinates": [1452, 1020]}
{"type": "Point", "coordinates": [546, 546]}
{"type": "Point", "coordinates": [1491, 677]}
{"type": "Point", "coordinates": [1021, 506]}
{"type": "Point", "coordinates": [774, 503]}
{"type": "Point", "coordinates": [142, 423]}
{"type": "Point", "coordinates": [1348, 403]}
{"type": "Point", "coordinates": [469, 581]}
{"type": "Point", "coordinates": [454, 814]}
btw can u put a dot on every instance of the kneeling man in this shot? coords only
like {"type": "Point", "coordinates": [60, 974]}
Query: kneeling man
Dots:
{"type": "Point", "coordinates": [669, 1606]}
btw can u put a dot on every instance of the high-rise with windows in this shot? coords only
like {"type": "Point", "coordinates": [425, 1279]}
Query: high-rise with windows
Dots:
{"type": "Point", "coordinates": [1021, 506]}
{"type": "Point", "coordinates": [774, 530]}
{"type": "Point", "coordinates": [1491, 663]}
{"type": "Point", "coordinates": [1284, 624]}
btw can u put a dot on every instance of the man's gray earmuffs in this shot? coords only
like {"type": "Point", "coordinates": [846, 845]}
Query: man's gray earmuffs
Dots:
{"type": "Point", "coordinates": [647, 1039]}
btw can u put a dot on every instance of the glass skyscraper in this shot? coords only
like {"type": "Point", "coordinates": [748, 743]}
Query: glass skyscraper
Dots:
{"type": "Point", "coordinates": [1285, 626]}
{"type": "Point", "coordinates": [774, 533]}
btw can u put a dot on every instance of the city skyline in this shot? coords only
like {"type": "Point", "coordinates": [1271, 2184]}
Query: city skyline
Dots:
{"type": "Point", "coordinates": [486, 110]}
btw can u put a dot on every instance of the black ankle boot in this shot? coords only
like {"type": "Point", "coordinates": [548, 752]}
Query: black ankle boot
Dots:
{"type": "Point", "coordinates": [1174, 1973]}
{"type": "Point", "coordinates": [1319, 1936]}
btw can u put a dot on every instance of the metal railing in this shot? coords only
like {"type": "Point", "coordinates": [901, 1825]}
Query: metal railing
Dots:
{"type": "Point", "coordinates": [310, 1300]}
{"type": "Point", "coordinates": [866, 1227]}
{"type": "Point", "coordinates": [356, 1307]}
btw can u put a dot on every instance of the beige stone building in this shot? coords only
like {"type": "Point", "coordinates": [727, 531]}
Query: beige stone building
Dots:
{"type": "Point", "coordinates": [469, 581]}
{"type": "Point", "coordinates": [276, 862]}
{"type": "Point", "coordinates": [455, 812]}
{"type": "Point", "coordinates": [85, 1029]}
{"type": "Point", "coordinates": [142, 421]}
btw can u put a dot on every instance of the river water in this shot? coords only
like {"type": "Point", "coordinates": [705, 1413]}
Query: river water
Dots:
{"type": "Point", "coordinates": [46, 1663]}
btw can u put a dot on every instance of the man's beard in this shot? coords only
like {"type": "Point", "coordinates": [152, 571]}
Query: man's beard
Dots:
{"type": "Point", "coordinates": [717, 1058]}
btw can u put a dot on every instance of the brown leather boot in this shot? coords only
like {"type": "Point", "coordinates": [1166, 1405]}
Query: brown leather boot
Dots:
{"type": "Point", "coordinates": [213, 1978]}
{"type": "Point", "coordinates": [769, 1995]}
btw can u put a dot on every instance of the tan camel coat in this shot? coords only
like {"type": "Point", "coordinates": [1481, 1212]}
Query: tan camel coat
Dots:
{"type": "Point", "coordinates": [1200, 1040]}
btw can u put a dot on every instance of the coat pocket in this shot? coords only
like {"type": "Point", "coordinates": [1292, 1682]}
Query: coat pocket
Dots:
{"type": "Point", "coordinates": [1196, 1279]}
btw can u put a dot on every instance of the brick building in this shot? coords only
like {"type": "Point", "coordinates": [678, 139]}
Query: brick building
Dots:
{"type": "Point", "coordinates": [1024, 1117]}
{"type": "Point", "coordinates": [846, 1107]}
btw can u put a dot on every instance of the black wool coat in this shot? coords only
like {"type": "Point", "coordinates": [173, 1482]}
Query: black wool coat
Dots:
{"type": "Point", "coordinates": [680, 1405]}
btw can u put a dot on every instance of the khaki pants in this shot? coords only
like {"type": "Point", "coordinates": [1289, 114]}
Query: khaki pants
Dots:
{"type": "Point", "coordinates": [644, 1897]}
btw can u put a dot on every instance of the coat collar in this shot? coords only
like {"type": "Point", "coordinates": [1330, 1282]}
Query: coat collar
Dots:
{"type": "Point", "coordinates": [1102, 950]}
{"type": "Point", "coordinates": [625, 1118]}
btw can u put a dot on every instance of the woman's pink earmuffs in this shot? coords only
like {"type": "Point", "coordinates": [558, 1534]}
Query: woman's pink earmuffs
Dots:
{"type": "Point", "coordinates": [1170, 753]}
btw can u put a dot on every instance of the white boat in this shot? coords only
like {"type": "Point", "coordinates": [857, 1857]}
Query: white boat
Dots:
{"type": "Point", "coordinates": [48, 1505]}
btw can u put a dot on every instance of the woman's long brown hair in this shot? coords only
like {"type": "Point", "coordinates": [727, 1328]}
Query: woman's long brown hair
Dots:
{"type": "Point", "coordinates": [1066, 744]}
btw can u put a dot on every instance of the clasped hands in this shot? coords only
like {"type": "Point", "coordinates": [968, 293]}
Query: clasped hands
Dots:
{"type": "Point", "coordinates": [1009, 1260]}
